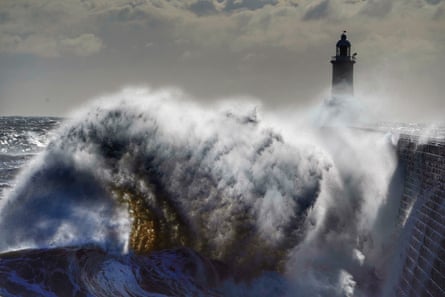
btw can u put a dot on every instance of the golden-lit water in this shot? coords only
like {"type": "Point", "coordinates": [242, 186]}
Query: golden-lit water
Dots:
{"type": "Point", "coordinates": [155, 223]}
{"type": "Point", "coordinates": [143, 232]}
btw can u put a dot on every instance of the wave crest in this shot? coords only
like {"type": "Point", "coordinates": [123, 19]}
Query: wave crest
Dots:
{"type": "Point", "coordinates": [166, 173]}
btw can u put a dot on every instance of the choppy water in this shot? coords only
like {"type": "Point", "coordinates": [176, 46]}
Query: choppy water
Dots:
{"type": "Point", "coordinates": [149, 194]}
{"type": "Point", "coordinates": [21, 138]}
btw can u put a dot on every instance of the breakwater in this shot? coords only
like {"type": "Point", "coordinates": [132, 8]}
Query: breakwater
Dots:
{"type": "Point", "coordinates": [422, 214]}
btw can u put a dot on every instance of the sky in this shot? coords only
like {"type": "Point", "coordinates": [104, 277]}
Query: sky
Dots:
{"type": "Point", "coordinates": [56, 55]}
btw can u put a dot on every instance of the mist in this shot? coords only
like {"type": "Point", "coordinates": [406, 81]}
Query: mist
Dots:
{"type": "Point", "coordinates": [285, 199]}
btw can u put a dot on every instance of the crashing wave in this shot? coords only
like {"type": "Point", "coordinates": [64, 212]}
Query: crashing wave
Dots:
{"type": "Point", "coordinates": [144, 172]}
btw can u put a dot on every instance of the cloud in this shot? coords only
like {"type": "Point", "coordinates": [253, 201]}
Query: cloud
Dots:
{"type": "Point", "coordinates": [388, 35]}
{"type": "Point", "coordinates": [4, 17]}
{"type": "Point", "coordinates": [433, 2]}
{"type": "Point", "coordinates": [203, 7]}
{"type": "Point", "coordinates": [378, 8]}
{"type": "Point", "coordinates": [317, 11]}
{"type": "Point", "coordinates": [238, 24]}
{"type": "Point", "coordinates": [231, 5]}
{"type": "Point", "coordinates": [47, 46]}
{"type": "Point", "coordinates": [83, 45]}
{"type": "Point", "coordinates": [126, 13]}
{"type": "Point", "coordinates": [46, 29]}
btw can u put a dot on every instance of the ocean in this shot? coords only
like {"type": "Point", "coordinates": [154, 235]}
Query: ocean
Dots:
{"type": "Point", "coordinates": [21, 138]}
{"type": "Point", "coordinates": [147, 193]}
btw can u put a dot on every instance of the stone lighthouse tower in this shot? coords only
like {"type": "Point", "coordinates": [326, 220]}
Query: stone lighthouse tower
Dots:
{"type": "Point", "coordinates": [343, 68]}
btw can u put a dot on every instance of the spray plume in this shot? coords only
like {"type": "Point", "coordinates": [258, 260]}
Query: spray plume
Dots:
{"type": "Point", "coordinates": [142, 171]}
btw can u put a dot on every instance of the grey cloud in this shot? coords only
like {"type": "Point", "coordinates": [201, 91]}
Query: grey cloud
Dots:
{"type": "Point", "coordinates": [126, 14]}
{"type": "Point", "coordinates": [47, 46]}
{"type": "Point", "coordinates": [83, 45]}
{"type": "Point", "coordinates": [232, 5]}
{"type": "Point", "coordinates": [294, 69]}
{"type": "Point", "coordinates": [433, 2]}
{"type": "Point", "coordinates": [207, 7]}
{"type": "Point", "coordinates": [88, 4]}
{"type": "Point", "coordinates": [377, 8]}
{"type": "Point", "coordinates": [439, 13]}
{"type": "Point", "coordinates": [317, 11]}
{"type": "Point", "coordinates": [4, 17]}
{"type": "Point", "coordinates": [46, 29]}
{"type": "Point", "coordinates": [203, 7]}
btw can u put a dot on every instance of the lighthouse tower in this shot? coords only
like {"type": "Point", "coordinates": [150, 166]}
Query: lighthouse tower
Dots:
{"type": "Point", "coordinates": [343, 68]}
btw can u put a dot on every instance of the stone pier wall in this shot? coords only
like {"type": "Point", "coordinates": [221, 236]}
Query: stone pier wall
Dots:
{"type": "Point", "coordinates": [422, 213]}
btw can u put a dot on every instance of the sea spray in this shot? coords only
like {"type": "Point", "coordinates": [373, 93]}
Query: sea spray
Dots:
{"type": "Point", "coordinates": [152, 171]}
{"type": "Point", "coordinates": [218, 182]}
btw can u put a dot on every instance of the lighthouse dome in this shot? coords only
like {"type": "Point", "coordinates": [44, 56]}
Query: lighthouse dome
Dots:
{"type": "Point", "coordinates": [343, 46]}
{"type": "Point", "coordinates": [343, 41]}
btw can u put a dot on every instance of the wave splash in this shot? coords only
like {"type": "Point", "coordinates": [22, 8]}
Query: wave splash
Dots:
{"type": "Point", "coordinates": [143, 171]}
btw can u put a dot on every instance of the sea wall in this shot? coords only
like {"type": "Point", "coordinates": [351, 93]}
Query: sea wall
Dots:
{"type": "Point", "coordinates": [422, 215]}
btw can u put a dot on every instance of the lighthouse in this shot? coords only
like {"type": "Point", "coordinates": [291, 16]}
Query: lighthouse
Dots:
{"type": "Point", "coordinates": [343, 68]}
